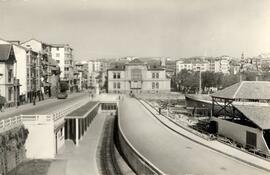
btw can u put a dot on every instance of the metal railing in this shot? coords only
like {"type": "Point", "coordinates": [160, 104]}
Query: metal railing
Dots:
{"type": "Point", "coordinates": [10, 123]}
{"type": "Point", "coordinates": [55, 118]}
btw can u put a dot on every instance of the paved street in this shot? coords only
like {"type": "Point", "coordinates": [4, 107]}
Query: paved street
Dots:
{"type": "Point", "coordinates": [44, 107]}
{"type": "Point", "coordinates": [170, 152]}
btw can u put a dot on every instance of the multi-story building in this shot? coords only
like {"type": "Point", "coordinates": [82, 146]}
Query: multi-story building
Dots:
{"type": "Point", "coordinates": [82, 75]}
{"type": "Point", "coordinates": [8, 83]}
{"type": "Point", "coordinates": [194, 65]}
{"type": "Point", "coordinates": [137, 77]}
{"type": "Point", "coordinates": [97, 73]}
{"type": "Point", "coordinates": [44, 69]}
{"type": "Point", "coordinates": [63, 54]}
{"type": "Point", "coordinates": [28, 71]}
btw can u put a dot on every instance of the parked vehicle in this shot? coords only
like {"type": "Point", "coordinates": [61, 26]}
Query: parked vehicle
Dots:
{"type": "Point", "coordinates": [62, 95]}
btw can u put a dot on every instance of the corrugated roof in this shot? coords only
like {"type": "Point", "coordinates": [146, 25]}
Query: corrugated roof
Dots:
{"type": "Point", "coordinates": [5, 51]}
{"type": "Point", "coordinates": [260, 115]}
{"type": "Point", "coordinates": [259, 90]}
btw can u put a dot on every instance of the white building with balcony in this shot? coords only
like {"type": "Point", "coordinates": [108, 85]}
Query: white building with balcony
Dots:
{"type": "Point", "coordinates": [63, 55]}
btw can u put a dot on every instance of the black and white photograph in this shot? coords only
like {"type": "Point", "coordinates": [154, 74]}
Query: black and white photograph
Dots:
{"type": "Point", "coordinates": [134, 87]}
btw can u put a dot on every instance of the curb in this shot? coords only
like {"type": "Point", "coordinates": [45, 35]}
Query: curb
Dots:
{"type": "Point", "coordinates": [217, 150]}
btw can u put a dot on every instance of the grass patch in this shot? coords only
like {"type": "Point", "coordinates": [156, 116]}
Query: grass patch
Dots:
{"type": "Point", "coordinates": [32, 167]}
{"type": "Point", "coordinates": [83, 110]}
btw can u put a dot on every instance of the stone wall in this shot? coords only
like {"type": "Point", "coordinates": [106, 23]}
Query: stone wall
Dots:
{"type": "Point", "coordinates": [12, 149]}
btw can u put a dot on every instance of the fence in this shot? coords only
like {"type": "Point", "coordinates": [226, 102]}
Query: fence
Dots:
{"type": "Point", "coordinates": [56, 118]}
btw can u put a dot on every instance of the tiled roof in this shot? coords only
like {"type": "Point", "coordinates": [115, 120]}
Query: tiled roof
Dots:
{"type": "Point", "coordinates": [260, 115]}
{"type": "Point", "coordinates": [155, 67]}
{"type": "Point", "coordinates": [136, 61]}
{"type": "Point", "coordinates": [259, 90]}
{"type": "Point", "coordinates": [5, 51]}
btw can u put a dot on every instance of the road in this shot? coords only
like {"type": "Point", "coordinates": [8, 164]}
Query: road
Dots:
{"type": "Point", "coordinates": [170, 152]}
{"type": "Point", "coordinates": [44, 107]}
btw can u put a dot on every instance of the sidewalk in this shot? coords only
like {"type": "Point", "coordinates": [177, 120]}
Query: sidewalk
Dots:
{"type": "Point", "coordinates": [214, 145]}
{"type": "Point", "coordinates": [81, 160]}
{"type": "Point", "coordinates": [13, 111]}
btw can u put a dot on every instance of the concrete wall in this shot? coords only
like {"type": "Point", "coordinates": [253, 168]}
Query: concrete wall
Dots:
{"type": "Point", "coordinates": [237, 132]}
{"type": "Point", "coordinates": [40, 143]}
{"type": "Point", "coordinates": [60, 137]}
{"type": "Point", "coordinates": [137, 163]}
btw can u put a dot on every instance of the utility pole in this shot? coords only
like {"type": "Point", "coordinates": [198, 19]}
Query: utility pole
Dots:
{"type": "Point", "coordinates": [200, 80]}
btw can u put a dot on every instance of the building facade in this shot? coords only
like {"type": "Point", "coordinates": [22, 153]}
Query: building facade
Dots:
{"type": "Point", "coordinates": [45, 68]}
{"type": "Point", "coordinates": [8, 89]}
{"type": "Point", "coordinates": [196, 65]}
{"type": "Point", "coordinates": [137, 77]}
{"type": "Point", "coordinates": [63, 55]}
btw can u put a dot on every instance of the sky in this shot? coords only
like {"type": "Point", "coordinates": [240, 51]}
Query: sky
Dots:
{"type": "Point", "coordinates": [143, 28]}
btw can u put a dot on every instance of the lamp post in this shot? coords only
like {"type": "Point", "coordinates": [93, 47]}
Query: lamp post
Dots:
{"type": "Point", "coordinates": [200, 80]}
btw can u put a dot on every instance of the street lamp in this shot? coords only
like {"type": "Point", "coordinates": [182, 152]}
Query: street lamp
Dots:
{"type": "Point", "coordinates": [200, 80]}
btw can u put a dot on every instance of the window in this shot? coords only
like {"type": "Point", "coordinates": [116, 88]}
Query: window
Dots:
{"type": "Point", "coordinates": [114, 85]}
{"type": "Point", "coordinates": [153, 75]}
{"type": "Point", "coordinates": [57, 54]}
{"type": "Point", "coordinates": [136, 74]}
{"type": "Point", "coordinates": [157, 75]}
{"type": "Point", "coordinates": [27, 59]}
{"type": "Point", "coordinates": [118, 85]}
{"type": "Point", "coordinates": [9, 93]}
{"type": "Point", "coordinates": [10, 75]}
{"type": "Point", "coordinates": [157, 85]}
{"type": "Point", "coordinates": [153, 85]}
{"type": "Point", "coordinates": [118, 75]}
{"type": "Point", "coordinates": [28, 73]}
{"type": "Point", "coordinates": [58, 61]}
{"type": "Point", "coordinates": [114, 75]}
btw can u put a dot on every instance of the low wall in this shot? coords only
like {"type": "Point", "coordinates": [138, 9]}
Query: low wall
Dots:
{"type": "Point", "coordinates": [12, 150]}
{"type": "Point", "coordinates": [138, 163]}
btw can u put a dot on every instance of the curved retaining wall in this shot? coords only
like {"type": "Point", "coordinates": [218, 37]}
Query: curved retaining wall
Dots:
{"type": "Point", "coordinates": [138, 163]}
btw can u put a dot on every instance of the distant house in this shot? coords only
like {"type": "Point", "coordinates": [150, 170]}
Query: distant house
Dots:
{"type": "Point", "coordinates": [28, 71]}
{"type": "Point", "coordinates": [8, 84]}
{"type": "Point", "coordinates": [137, 77]}
{"type": "Point", "coordinates": [241, 112]}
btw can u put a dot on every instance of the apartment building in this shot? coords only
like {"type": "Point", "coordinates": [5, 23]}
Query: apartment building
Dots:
{"type": "Point", "coordinates": [44, 68]}
{"type": "Point", "coordinates": [97, 73]}
{"type": "Point", "coordinates": [194, 65]}
{"type": "Point", "coordinates": [63, 55]}
{"type": "Point", "coordinates": [81, 68]}
{"type": "Point", "coordinates": [28, 71]}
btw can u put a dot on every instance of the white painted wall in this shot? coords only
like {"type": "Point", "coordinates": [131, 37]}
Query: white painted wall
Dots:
{"type": "Point", "coordinates": [238, 133]}
{"type": "Point", "coordinates": [34, 44]}
{"type": "Point", "coordinates": [60, 58]}
{"type": "Point", "coordinates": [20, 73]}
{"type": "Point", "coordinates": [40, 143]}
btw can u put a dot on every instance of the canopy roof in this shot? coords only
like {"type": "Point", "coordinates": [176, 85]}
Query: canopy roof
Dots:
{"type": "Point", "coordinates": [256, 90]}
{"type": "Point", "coordinates": [258, 114]}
